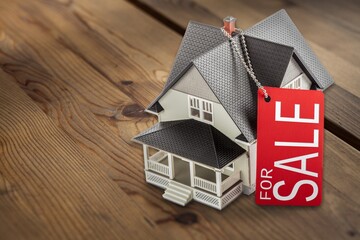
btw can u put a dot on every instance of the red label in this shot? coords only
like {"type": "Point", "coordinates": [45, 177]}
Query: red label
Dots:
{"type": "Point", "coordinates": [290, 135]}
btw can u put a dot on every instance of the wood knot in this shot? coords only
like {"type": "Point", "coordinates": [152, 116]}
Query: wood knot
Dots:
{"type": "Point", "coordinates": [134, 110]}
{"type": "Point", "coordinates": [352, 233]}
{"type": "Point", "coordinates": [187, 218]}
{"type": "Point", "coordinates": [126, 82]}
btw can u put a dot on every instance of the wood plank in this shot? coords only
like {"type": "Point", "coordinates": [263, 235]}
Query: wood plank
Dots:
{"type": "Point", "coordinates": [97, 98]}
{"type": "Point", "coordinates": [82, 89]}
{"type": "Point", "coordinates": [49, 188]}
{"type": "Point", "coordinates": [342, 110]}
{"type": "Point", "coordinates": [339, 59]}
{"type": "Point", "coordinates": [344, 14]}
{"type": "Point", "coordinates": [334, 46]}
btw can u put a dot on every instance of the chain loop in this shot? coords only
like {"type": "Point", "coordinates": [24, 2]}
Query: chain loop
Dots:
{"type": "Point", "coordinates": [245, 61]}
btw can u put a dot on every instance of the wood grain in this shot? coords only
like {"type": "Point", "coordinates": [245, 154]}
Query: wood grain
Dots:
{"type": "Point", "coordinates": [343, 114]}
{"type": "Point", "coordinates": [49, 188]}
{"type": "Point", "coordinates": [334, 46]}
{"type": "Point", "coordinates": [91, 69]}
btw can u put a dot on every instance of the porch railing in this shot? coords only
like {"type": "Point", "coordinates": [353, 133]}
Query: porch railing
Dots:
{"type": "Point", "coordinates": [157, 180]}
{"type": "Point", "coordinates": [205, 184]}
{"type": "Point", "coordinates": [158, 167]}
{"type": "Point", "coordinates": [227, 183]}
{"type": "Point", "coordinates": [207, 198]}
{"type": "Point", "coordinates": [157, 157]}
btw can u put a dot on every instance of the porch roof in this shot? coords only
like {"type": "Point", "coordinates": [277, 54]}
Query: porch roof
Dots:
{"type": "Point", "coordinates": [193, 140]}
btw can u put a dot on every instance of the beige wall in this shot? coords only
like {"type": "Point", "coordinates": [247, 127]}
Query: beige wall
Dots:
{"type": "Point", "coordinates": [194, 84]}
{"type": "Point", "coordinates": [293, 71]}
{"type": "Point", "coordinates": [241, 164]}
{"type": "Point", "coordinates": [305, 82]}
{"type": "Point", "coordinates": [175, 106]}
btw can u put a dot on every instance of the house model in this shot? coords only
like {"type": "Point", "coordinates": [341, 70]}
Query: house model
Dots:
{"type": "Point", "coordinates": [203, 147]}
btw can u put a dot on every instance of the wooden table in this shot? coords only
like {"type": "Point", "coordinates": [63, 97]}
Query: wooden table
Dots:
{"type": "Point", "coordinates": [75, 77]}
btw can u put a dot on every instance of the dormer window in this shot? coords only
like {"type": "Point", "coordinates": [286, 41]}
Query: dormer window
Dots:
{"type": "Point", "coordinates": [295, 84]}
{"type": "Point", "coordinates": [200, 109]}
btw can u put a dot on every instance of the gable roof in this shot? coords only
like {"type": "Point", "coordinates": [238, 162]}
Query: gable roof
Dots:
{"type": "Point", "coordinates": [193, 83]}
{"type": "Point", "coordinates": [269, 60]}
{"type": "Point", "coordinates": [193, 140]}
{"type": "Point", "coordinates": [198, 39]}
{"type": "Point", "coordinates": [279, 28]}
{"type": "Point", "coordinates": [228, 79]}
{"type": "Point", "coordinates": [206, 48]}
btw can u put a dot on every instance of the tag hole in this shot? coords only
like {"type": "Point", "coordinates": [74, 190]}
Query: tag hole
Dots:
{"type": "Point", "coordinates": [267, 99]}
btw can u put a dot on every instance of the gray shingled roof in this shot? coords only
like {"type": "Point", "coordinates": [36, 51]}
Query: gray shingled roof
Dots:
{"type": "Point", "coordinates": [269, 60]}
{"type": "Point", "coordinates": [229, 81]}
{"type": "Point", "coordinates": [193, 140]}
{"type": "Point", "coordinates": [280, 28]}
{"type": "Point", "coordinates": [209, 51]}
{"type": "Point", "coordinates": [198, 39]}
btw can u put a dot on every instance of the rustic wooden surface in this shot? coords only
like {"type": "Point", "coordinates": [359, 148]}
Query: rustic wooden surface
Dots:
{"type": "Point", "coordinates": [75, 77]}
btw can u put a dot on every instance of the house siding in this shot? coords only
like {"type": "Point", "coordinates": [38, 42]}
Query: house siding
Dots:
{"type": "Point", "coordinates": [242, 165]}
{"type": "Point", "coordinates": [194, 84]}
{"type": "Point", "coordinates": [294, 70]}
{"type": "Point", "coordinates": [305, 82]}
{"type": "Point", "coordinates": [175, 104]}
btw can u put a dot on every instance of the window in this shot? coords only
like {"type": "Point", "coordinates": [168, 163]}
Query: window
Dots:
{"type": "Point", "coordinates": [230, 167]}
{"type": "Point", "coordinates": [201, 109]}
{"type": "Point", "coordinates": [207, 111]}
{"type": "Point", "coordinates": [194, 107]}
{"type": "Point", "coordinates": [294, 84]}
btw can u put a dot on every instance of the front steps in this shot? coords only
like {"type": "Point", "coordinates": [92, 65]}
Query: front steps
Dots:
{"type": "Point", "coordinates": [182, 194]}
{"type": "Point", "coordinates": [178, 193]}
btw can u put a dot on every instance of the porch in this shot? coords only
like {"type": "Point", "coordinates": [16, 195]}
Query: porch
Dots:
{"type": "Point", "coordinates": [195, 194]}
{"type": "Point", "coordinates": [189, 173]}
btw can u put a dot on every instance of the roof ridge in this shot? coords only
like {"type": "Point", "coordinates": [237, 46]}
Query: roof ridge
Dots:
{"type": "Point", "coordinates": [286, 32]}
{"type": "Point", "coordinates": [263, 20]}
{"type": "Point", "coordinates": [196, 141]}
{"type": "Point", "coordinates": [238, 35]}
{"type": "Point", "coordinates": [275, 43]}
{"type": "Point", "coordinates": [203, 24]}
{"type": "Point", "coordinates": [145, 133]}
{"type": "Point", "coordinates": [192, 22]}
{"type": "Point", "coordinates": [213, 145]}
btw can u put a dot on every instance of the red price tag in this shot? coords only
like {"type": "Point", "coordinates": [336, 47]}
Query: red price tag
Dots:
{"type": "Point", "coordinates": [290, 135]}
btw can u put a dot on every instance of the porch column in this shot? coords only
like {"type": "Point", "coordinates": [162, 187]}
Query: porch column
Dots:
{"type": "Point", "coordinates": [146, 156]}
{"type": "Point", "coordinates": [171, 166]}
{"type": "Point", "coordinates": [192, 174]}
{"type": "Point", "coordinates": [218, 183]}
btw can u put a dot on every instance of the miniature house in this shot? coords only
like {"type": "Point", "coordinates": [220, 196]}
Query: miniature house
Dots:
{"type": "Point", "coordinates": [203, 147]}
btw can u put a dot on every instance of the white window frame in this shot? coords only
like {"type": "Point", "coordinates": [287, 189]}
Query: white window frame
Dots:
{"type": "Point", "coordinates": [230, 167]}
{"type": "Point", "coordinates": [296, 83]}
{"type": "Point", "coordinates": [203, 106]}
